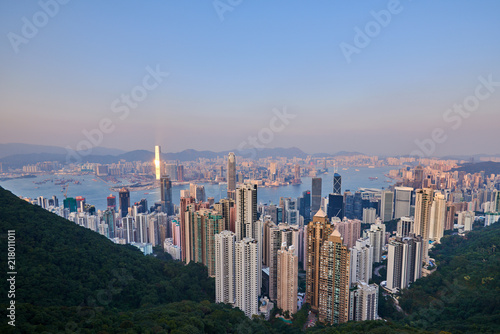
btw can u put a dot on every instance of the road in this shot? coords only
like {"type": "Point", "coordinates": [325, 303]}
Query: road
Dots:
{"type": "Point", "coordinates": [396, 304]}
{"type": "Point", "coordinates": [377, 270]}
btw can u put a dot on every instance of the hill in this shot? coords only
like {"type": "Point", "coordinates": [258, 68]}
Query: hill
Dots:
{"type": "Point", "coordinates": [463, 294]}
{"type": "Point", "coordinates": [18, 155]}
{"type": "Point", "coordinates": [19, 159]}
{"type": "Point", "coordinates": [489, 167]}
{"type": "Point", "coordinates": [19, 148]}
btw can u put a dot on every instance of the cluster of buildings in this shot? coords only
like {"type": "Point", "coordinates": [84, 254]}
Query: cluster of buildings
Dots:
{"type": "Point", "coordinates": [258, 254]}
{"type": "Point", "coordinates": [258, 251]}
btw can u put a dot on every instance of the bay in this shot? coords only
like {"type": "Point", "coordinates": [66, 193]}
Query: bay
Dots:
{"type": "Point", "coordinates": [95, 190]}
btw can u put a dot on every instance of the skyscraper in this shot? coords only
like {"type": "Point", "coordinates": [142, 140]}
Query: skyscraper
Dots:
{"type": "Point", "coordinates": [495, 201]}
{"type": "Point", "coordinates": [171, 171]}
{"type": "Point", "coordinates": [406, 226]}
{"type": "Point", "coordinates": [201, 227]}
{"type": "Point", "coordinates": [333, 289]}
{"type": "Point", "coordinates": [273, 248]}
{"type": "Point", "coordinates": [157, 162]}
{"type": "Point", "coordinates": [402, 202]}
{"type": "Point", "coordinates": [337, 184]}
{"type": "Point", "coordinates": [154, 231]}
{"type": "Point", "coordinates": [197, 191]}
{"type": "Point", "coordinates": [56, 201]}
{"type": "Point", "coordinates": [224, 208]}
{"type": "Point", "coordinates": [288, 265]}
{"type": "Point", "coordinates": [348, 204]}
{"type": "Point", "coordinates": [418, 177]}
{"type": "Point", "coordinates": [247, 285]}
{"type": "Point", "coordinates": [109, 218]}
{"type": "Point", "coordinates": [369, 215]}
{"type": "Point", "coordinates": [450, 216]}
{"type": "Point", "coordinates": [247, 225]}
{"type": "Point", "coordinates": [124, 197]}
{"type": "Point", "coordinates": [423, 203]}
{"type": "Point", "coordinates": [111, 201]}
{"type": "Point", "coordinates": [404, 262]}
{"type": "Point", "coordinates": [267, 224]}
{"type": "Point", "coordinates": [180, 173]}
{"type": "Point", "coordinates": [128, 228]}
{"type": "Point", "coordinates": [274, 237]}
{"type": "Point", "coordinates": [361, 262]}
{"type": "Point", "coordinates": [350, 230]}
{"type": "Point", "coordinates": [316, 194]}
{"type": "Point", "coordinates": [291, 211]}
{"type": "Point", "coordinates": [297, 174]}
{"type": "Point", "coordinates": [166, 195]}
{"type": "Point", "coordinates": [246, 211]}
{"type": "Point", "coordinates": [358, 205]}
{"type": "Point", "coordinates": [376, 234]}
{"type": "Point", "coordinates": [438, 217]}
{"type": "Point", "coordinates": [317, 232]}
{"type": "Point", "coordinates": [466, 219]}
{"type": "Point", "coordinates": [231, 175]}
{"type": "Point", "coordinates": [387, 205]}
{"type": "Point", "coordinates": [213, 223]}
{"type": "Point", "coordinates": [305, 205]}
{"type": "Point", "coordinates": [224, 267]}
{"type": "Point", "coordinates": [335, 206]}
{"type": "Point", "coordinates": [363, 302]}
{"type": "Point", "coordinates": [142, 228]}
{"type": "Point", "coordinates": [184, 227]}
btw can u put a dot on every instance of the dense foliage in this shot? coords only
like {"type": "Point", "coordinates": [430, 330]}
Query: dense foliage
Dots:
{"type": "Point", "coordinates": [488, 167]}
{"type": "Point", "coordinates": [463, 294]}
{"type": "Point", "coordinates": [179, 317]}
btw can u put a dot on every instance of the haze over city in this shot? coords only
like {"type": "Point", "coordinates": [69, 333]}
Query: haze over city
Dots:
{"type": "Point", "coordinates": [372, 77]}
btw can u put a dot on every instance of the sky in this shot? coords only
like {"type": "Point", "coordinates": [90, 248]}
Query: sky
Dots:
{"type": "Point", "coordinates": [378, 77]}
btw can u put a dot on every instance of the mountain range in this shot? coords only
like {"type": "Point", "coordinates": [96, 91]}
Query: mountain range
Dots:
{"type": "Point", "coordinates": [17, 155]}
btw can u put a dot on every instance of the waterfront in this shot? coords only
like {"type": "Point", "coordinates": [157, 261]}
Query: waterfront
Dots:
{"type": "Point", "coordinates": [95, 190]}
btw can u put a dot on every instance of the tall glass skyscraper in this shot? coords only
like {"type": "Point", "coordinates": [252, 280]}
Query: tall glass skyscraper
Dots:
{"type": "Point", "coordinates": [109, 218]}
{"type": "Point", "coordinates": [316, 194]}
{"type": "Point", "coordinates": [335, 206]}
{"type": "Point", "coordinates": [337, 184]}
{"type": "Point", "coordinates": [305, 205]}
{"type": "Point", "coordinates": [231, 176]}
{"type": "Point", "coordinates": [158, 162]}
{"type": "Point", "coordinates": [124, 196]}
{"type": "Point", "coordinates": [166, 195]}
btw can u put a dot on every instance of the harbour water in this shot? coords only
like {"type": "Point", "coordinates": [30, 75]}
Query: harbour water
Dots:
{"type": "Point", "coordinates": [95, 190]}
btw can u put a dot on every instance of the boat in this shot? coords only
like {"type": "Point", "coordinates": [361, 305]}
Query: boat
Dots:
{"type": "Point", "coordinates": [373, 178]}
{"type": "Point", "coordinates": [146, 193]}
{"type": "Point", "coordinates": [357, 170]}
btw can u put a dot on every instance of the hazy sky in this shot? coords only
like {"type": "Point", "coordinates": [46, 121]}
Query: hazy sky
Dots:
{"type": "Point", "coordinates": [372, 77]}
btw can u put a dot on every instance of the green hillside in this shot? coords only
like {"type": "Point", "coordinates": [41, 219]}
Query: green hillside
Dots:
{"type": "Point", "coordinates": [463, 295]}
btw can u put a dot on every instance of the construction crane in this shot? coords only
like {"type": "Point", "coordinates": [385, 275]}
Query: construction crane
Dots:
{"type": "Point", "coordinates": [66, 192]}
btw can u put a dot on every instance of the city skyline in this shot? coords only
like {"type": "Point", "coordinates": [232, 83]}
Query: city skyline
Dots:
{"type": "Point", "coordinates": [250, 166]}
{"type": "Point", "coordinates": [239, 241]}
{"type": "Point", "coordinates": [378, 91]}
